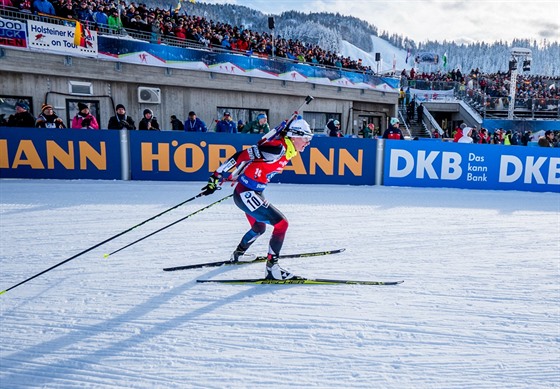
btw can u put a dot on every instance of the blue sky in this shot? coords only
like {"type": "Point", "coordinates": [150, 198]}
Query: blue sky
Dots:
{"type": "Point", "coordinates": [459, 21]}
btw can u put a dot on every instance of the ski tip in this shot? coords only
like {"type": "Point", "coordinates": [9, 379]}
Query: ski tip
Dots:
{"type": "Point", "coordinates": [4, 291]}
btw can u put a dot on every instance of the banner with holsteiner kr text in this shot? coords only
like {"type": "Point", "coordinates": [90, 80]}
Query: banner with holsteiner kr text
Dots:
{"type": "Point", "coordinates": [59, 39]}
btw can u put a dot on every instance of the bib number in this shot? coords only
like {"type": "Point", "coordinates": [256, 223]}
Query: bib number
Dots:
{"type": "Point", "coordinates": [252, 200]}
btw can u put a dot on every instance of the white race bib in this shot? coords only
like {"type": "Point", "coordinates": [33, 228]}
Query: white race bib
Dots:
{"type": "Point", "coordinates": [252, 200]}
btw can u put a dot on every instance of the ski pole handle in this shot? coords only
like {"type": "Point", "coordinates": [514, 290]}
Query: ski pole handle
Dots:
{"type": "Point", "coordinates": [272, 134]}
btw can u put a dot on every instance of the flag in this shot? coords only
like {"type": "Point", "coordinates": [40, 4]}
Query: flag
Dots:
{"type": "Point", "coordinates": [445, 60]}
{"type": "Point", "coordinates": [178, 6]}
{"type": "Point", "coordinates": [394, 62]}
{"type": "Point", "coordinates": [407, 56]}
{"type": "Point", "coordinates": [78, 34]}
{"type": "Point", "coordinates": [82, 35]}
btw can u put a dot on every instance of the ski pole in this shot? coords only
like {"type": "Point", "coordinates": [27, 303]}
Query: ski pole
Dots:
{"type": "Point", "coordinates": [284, 124]}
{"type": "Point", "coordinates": [101, 243]}
{"type": "Point", "coordinates": [169, 225]}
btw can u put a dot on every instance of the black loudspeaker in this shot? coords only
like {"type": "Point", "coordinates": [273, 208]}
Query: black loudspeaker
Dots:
{"type": "Point", "coordinates": [512, 65]}
{"type": "Point", "coordinates": [377, 57]}
{"type": "Point", "coordinates": [271, 23]}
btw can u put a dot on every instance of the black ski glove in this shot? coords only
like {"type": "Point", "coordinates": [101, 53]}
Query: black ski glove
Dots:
{"type": "Point", "coordinates": [212, 186]}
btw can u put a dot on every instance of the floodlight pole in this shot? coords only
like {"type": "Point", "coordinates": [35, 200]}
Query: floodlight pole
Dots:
{"type": "Point", "coordinates": [518, 54]}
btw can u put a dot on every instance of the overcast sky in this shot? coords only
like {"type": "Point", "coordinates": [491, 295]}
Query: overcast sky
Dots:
{"type": "Point", "coordinates": [452, 20]}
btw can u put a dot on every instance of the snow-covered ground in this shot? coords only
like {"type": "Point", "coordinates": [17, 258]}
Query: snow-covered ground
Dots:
{"type": "Point", "coordinates": [387, 51]}
{"type": "Point", "coordinates": [479, 308]}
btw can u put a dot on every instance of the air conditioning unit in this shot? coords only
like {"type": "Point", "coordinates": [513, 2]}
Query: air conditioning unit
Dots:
{"type": "Point", "coordinates": [149, 95]}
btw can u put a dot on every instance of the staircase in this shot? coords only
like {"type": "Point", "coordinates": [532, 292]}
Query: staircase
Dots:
{"type": "Point", "coordinates": [415, 128]}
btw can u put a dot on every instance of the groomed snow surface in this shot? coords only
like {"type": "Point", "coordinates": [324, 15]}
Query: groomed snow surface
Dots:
{"type": "Point", "coordinates": [479, 308]}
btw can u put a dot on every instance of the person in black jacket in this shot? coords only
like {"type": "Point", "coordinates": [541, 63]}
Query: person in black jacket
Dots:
{"type": "Point", "coordinates": [176, 124]}
{"type": "Point", "coordinates": [121, 120]}
{"type": "Point", "coordinates": [333, 128]}
{"type": "Point", "coordinates": [149, 121]}
{"type": "Point", "coordinates": [22, 117]}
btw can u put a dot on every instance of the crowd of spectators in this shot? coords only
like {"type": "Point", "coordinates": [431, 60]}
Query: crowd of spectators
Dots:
{"type": "Point", "coordinates": [466, 134]}
{"type": "Point", "coordinates": [492, 85]}
{"type": "Point", "coordinates": [163, 24]}
{"type": "Point", "coordinates": [85, 120]}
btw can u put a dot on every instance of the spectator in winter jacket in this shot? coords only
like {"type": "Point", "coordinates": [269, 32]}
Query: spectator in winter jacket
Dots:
{"type": "Point", "coordinates": [547, 140]}
{"type": "Point", "coordinates": [258, 126]}
{"type": "Point", "coordinates": [420, 113]}
{"type": "Point", "coordinates": [48, 119]}
{"type": "Point", "coordinates": [393, 131]}
{"type": "Point", "coordinates": [510, 139]}
{"type": "Point", "coordinates": [240, 126]}
{"type": "Point", "coordinates": [459, 132]}
{"type": "Point", "coordinates": [6, 4]}
{"type": "Point", "coordinates": [176, 124]}
{"type": "Point", "coordinates": [121, 120]}
{"type": "Point", "coordinates": [149, 121]}
{"type": "Point", "coordinates": [84, 12]}
{"type": "Point", "coordinates": [44, 7]}
{"type": "Point", "coordinates": [484, 137]}
{"type": "Point", "coordinates": [497, 137]}
{"type": "Point", "coordinates": [333, 128]}
{"type": "Point", "coordinates": [101, 17]}
{"type": "Point", "coordinates": [226, 124]}
{"type": "Point", "coordinates": [526, 138]}
{"type": "Point", "coordinates": [194, 124]}
{"type": "Point", "coordinates": [22, 117]}
{"type": "Point", "coordinates": [466, 138]}
{"type": "Point", "coordinates": [114, 21]}
{"type": "Point", "coordinates": [82, 114]}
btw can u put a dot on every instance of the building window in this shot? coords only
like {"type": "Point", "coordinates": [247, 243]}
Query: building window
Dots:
{"type": "Point", "coordinates": [244, 114]}
{"type": "Point", "coordinates": [8, 106]}
{"type": "Point", "coordinates": [318, 120]}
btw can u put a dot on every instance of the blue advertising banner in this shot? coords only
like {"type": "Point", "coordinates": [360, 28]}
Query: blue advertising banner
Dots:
{"type": "Point", "coordinates": [60, 154]}
{"type": "Point", "coordinates": [521, 125]}
{"type": "Point", "coordinates": [140, 52]}
{"type": "Point", "coordinates": [12, 33]}
{"type": "Point", "coordinates": [187, 156]}
{"type": "Point", "coordinates": [471, 166]}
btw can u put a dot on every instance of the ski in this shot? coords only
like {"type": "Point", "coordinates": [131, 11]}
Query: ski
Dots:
{"type": "Point", "coordinates": [300, 281]}
{"type": "Point", "coordinates": [257, 259]}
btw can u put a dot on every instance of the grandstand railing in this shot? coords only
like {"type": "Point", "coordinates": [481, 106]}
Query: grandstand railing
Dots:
{"type": "Point", "coordinates": [158, 38]}
{"type": "Point", "coordinates": [488, 106]}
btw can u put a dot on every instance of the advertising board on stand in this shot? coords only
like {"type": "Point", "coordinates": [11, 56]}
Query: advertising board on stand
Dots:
{"type": "Point", "coordinates": [59, 154]}
{"type": "Point", "coordinates": [172, 156]}
{"type": "Point", "coordinates": [471, 166]}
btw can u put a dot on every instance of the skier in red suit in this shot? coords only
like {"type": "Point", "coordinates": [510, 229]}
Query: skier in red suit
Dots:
{"type": "Point", "coordinates": [254, 167]}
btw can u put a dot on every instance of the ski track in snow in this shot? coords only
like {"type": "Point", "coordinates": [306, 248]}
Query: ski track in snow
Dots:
{"type": "Point", "coordinates": [479, 308]}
